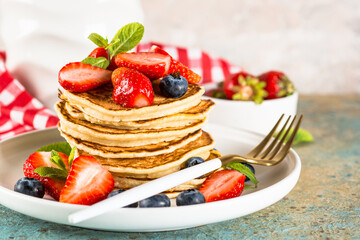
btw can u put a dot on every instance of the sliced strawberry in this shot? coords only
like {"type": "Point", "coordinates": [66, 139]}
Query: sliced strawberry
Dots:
{"type": "Point", "coordinates": [152, 65]}
{"type": "Point", "coordinates": [81, 77]}
{"type": "Point", "coordinates": [131, 88]}
{"type": "Point", "coordinates": [42, 159]}
{"type": "Point", "coordinates": [99, 52]}
{"type": "Point", "coordinates": [157, 49]}
{"type": "Point", "coordinates": [223, 184]}
{"type": "Point", "coordinates": [88, 182]}
{"type": "Point", "coordinates": [186, 72]}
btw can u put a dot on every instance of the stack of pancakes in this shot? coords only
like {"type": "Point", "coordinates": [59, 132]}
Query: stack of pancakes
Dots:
{"type": "Point", "coordinates": [138, 144]}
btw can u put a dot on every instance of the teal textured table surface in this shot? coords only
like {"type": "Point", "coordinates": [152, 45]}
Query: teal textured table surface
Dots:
{"type": "Point", "coordinates": [325, 203]}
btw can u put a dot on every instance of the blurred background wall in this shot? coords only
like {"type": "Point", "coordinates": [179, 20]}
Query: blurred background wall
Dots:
{"type": "Point", "coordinates": [316, 43]}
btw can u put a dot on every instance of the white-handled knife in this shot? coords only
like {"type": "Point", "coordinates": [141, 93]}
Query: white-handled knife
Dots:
{"type": "Point", "coordinates": [145, 190]}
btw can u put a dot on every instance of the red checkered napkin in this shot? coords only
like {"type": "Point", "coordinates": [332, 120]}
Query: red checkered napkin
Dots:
{"type": "Point", "coordinates": [20, 112]}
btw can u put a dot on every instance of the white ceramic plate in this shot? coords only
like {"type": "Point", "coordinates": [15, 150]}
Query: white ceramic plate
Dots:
{"type": "Point", "coordinates": [274, 183]}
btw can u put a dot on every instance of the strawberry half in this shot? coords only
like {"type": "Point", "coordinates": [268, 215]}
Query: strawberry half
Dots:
{"type": "Point", "coordinates": [99, 52]}
{"type": "Point", "coordinates": [186, 72]}
{"type": "Point", "coordinates": [223, 184]}
{"type": "Point", "coordinates": [153, 65]}
{"type": "Point", "coordinates": [88, 182]}
{"type": "Point", "coordinates": [277, 84]}
{"type": "Point", "coordinates": [42, 159]}
{"type": "Point", "coordinates": [131, 88]}
{"type": "Point", "coordinates": [82, 77]}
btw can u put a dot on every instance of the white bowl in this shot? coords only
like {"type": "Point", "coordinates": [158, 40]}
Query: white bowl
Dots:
{"type": "Point", "coordinates": [247, 115]}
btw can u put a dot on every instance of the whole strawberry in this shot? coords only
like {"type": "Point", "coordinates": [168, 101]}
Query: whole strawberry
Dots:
{"type": "Point", "coordinates": [36, 160]}
{"type": "Point", "coordinates": [99, 52]}
{"type": "Point", "coordinates": [131, 88]}
{"type": "Point", "coordinates": [277, 84]}
{"type": "Point", "coordinates": [244, 86]}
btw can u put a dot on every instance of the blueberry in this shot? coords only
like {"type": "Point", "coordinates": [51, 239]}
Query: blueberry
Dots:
{"type": "Point", "coordinates": [160, 200]}
{"type": "Point", "coordinates": [190, 197]}
{"type": "Point", "coordinates": [251, 168]}
{"type": "Point", "coordinates": [30, 186]}
{"type": "Point", "coordinates": [116, 192]}
{"type": "Point", "coordinates": [173, 85]}
{"type": "Point", "coordinates": [193, 161]}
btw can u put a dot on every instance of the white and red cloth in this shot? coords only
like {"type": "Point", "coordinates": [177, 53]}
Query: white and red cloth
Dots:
{"type": "Point", "coordinates": [20, 112]}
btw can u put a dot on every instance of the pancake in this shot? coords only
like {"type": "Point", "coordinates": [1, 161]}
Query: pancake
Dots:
{"type": "Point", "coordinates": [130, 152]}
{"type": "Point", "coordinates": [127, 183]}
{"type": "Point", "coordinates": [185, 118]}
{"type": "Point", "coordinates": [86, 131]}
{"type": "Point", "coordinates": [160, 165]}
{"type": "Point", "coordinates": [99, 104]}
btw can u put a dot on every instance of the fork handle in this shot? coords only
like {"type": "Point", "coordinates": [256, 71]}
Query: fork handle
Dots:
{"type": "Point", "coordinates": [231, 158]}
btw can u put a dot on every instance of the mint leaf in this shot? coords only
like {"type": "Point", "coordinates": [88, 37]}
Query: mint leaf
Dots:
{"type": "Point", "coordinates": [51, 172]}
{"type": "Point", "coordinates": [126, 38]}
{"type": "Point", "coordinates": [244, 170]}
{"type": "Point", "coordinates": [71, 156]}
{"type": "Point", "coordinates": [63, 147]}
{"type": "Point", "coordinates": [100, 62]}
{"type": "Point", "coordinates": [57, 160]}
{"type": "Point", "coordinates": [303, 136]}
{"type": "Point", "coordinates": [98, 40]}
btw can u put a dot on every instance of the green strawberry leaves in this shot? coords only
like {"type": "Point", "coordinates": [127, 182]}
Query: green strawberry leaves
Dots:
{"type": "Point", "coordinates": [244, 170]}
{"type": "Point", "coordinates": [126, 38]}
{"type": "Point", "coordinates": [100, 62]}
{"type": "Point", "coordinates": [249, 89]}
{"type": "Point", "coordinates": [59, 172]}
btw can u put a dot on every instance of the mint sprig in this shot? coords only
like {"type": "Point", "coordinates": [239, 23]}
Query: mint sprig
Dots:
{"type": "Point", "coordinates": [71, 156]}
{"type": "Point", "coordinates": [51, 172]}
{"type": "Point", "coordinates": [100, 62]}
{"type": "Point", "coordinates": [63, 147]}
{"type": "Point", "coordinates": [244, 170]}
{"type": "Point", "coordinates": [59, 172]}
{"type": "Point", "coordinates": [302, 136]}
{"type": "Point", "coordinates": [57, 161]}
{"type": "Point", "coordinates": [126, 38]}
{"type": "Point", "coordinates": [98, 40]}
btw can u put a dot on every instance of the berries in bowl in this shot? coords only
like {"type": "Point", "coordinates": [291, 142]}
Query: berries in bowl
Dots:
{"type": "Point", "coordinates": [253, 103]}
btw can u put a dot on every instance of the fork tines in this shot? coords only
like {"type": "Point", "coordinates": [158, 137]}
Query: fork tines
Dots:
{"type": "Point", "coordinates": [277, 150]}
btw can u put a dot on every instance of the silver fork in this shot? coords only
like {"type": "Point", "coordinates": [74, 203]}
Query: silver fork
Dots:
{"type": "Point", "coordinates": [276, 150]}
